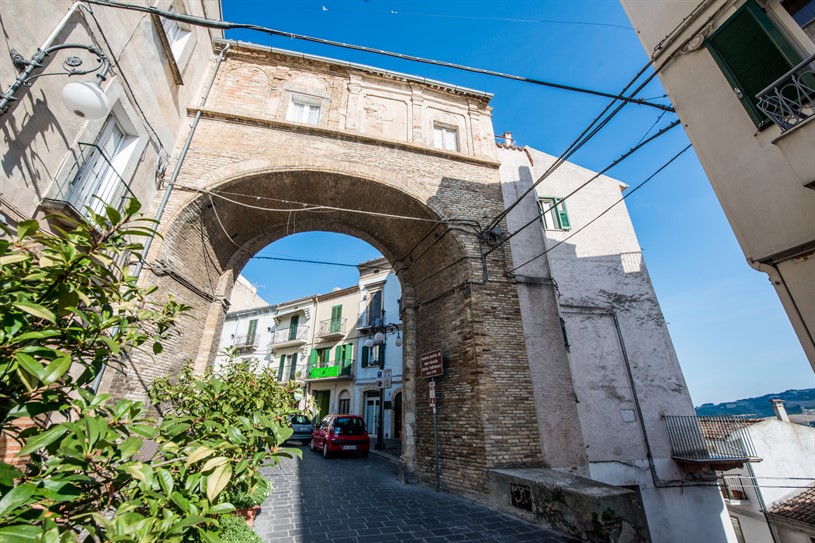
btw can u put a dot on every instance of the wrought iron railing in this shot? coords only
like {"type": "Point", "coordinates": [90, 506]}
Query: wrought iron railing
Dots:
{"type": "Point", "coordinates": [368, 319]}
{"type": "Point", "coordinates": [334, 368]}
{"type": "Point", "coordinates": [291, 333]}
{"type": "Point", "coordinates": [790, 99]}
{"type": "Point", "coordinates": [246, 341]}
{"type": "Point", "coordinates": [710, 438]}
{"type": "Point", "coordinates": [332, 326]}
{"type": "Point", "coordinates": [91, 183]}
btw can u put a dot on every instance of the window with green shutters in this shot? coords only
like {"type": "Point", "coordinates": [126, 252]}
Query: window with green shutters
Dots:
{"type": "Point", "coordinates": [752, 54]}
{"type": "Point", "coordinates": [250, 334]}
{"type": "Point", "coordinates": [281, 367]}
{"type": "Point", "coordinates": [293, 368]}
{"type": "Point", "coordinates": [373, 356]}
{"type": "Point", "coordinates": [553, 213]}
{"type": "Point", "coordinates": [336, 319]}
{"type": "Point", "coordinates": [344, 358]}
{"type": "Point", "coordinates": [295, 321]}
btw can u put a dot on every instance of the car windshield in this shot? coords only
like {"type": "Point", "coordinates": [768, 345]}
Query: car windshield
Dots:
{"type": "Point", "coordinates": [300, 419]}
{"type": "Point", "coordinates": [349, 426]}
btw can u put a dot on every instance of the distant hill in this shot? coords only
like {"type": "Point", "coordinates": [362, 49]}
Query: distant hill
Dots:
{"type": "Point", "coordinates": [795, 401]}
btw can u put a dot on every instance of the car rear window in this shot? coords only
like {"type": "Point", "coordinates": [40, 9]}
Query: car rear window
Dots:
{"type": "Point", "coordinates": [300, 419]}
{"type": "Point", "coordinates": [349, 426]}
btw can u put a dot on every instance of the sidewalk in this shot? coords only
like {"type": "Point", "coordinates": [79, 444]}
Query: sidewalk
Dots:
{"type": "Point", "coordinates": [392, 450]}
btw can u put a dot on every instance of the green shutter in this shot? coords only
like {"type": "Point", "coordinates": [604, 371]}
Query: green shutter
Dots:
{"type": "Point", "coordinates": [250, 335]}
{"type": "Point", "coordinates": [336, 318]}
{"type": "Point", "coordinates": [752, 54]}
{"type": "Point", "coordinates": [295, 320]}
{"type": "Point", "coordinates": [313, 360]}
{"type": "Point", "coordinates": [562, 215]}
{"type": "Point", "coordinates": [381, 355]}
{"type": "Point", "coordinates": [365, 356]}
{"type": "Point", "coordinates": [282, 365]}
{"type": "Point", "coordinates": [293, 370]}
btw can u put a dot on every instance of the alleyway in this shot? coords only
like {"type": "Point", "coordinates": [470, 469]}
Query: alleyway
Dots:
{"type": "Point", "coordinates": [354, 500]}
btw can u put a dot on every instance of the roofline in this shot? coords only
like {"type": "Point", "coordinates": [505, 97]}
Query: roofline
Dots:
{"type": "Point", "coordinates": [362, 67]}
{"type": "Point", "coordinates": [338, 293]}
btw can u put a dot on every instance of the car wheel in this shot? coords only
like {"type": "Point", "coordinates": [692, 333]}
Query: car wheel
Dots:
{"type": "Point", "coordinates": [326, 454]}
{"type": "Point", "coordinates": [311, 445]}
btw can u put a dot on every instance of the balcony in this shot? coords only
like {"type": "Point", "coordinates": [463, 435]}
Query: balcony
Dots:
{"type": "Point", "coordinates": [335, 369]}
{"type": "Point", "coordinates": [790, 100]}
{"type": "Point", "coordinates": [332, 328]}
{"type": "Point", "coordinates": [91, 184]}
{"type": "Point", "coordinates": [717, 443]}
{"type": "Point", "coordinates": [247, 342]}
{"type": "Point", "coordinates": [292, 336]}
{"type": "Point", "coordinates": [368, 319]}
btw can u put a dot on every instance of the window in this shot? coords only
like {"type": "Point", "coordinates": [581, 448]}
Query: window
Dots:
{"type": "Point", "coordinates": [293, 367]}
{"type": "Point", "coordinates": [373, 315]}
{"type": "Point", "coordinates": [553, 214]}
{"type": "Point", "coordinates": [372, 357]}
{"type": "Point", "coordinates": [250, 334]}
{"type": "Point", "coordinates": [282, 367]}
{"type": "Point", "coordinates": [336, 319]}
{"type": "Point", "coordinates": [445, 137]}
{"type": "Point", "coordinates": [732, 489]}
{"type": "Point", "coordinates": [803, 13]}
{"type": "Point", "coordinates": [344, 357]}
{"type": "Point", "coordinates": [303, 110]}
{"type": "Point", "coordinates": [344, 402]}
{"type": "Point", "coordinates": [752, 54]}
{"type": "Point", "coordinates": [99, 179]}
{"type": "Point", "coordinates": [322, 357]}
{"type": "Point", "coordinates": [293, 325]}
{"type": "Point", "coordinates": [178, 34]}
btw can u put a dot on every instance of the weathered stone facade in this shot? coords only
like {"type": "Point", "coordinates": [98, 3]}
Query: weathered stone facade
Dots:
{"type": "Point", "coordinates": [252, 177]}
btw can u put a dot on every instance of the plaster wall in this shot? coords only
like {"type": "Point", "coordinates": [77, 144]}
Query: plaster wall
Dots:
{"type": "Point", "coordinates": [687, 515]}
{"type": "Point", "coordinates": [786, 450]}
{"type": "Point", "coordinates": [41, 137]}
{"type": "Point", "coordinates": [245, 296]}
{"type": "Point", "coordinates": [759, 177]}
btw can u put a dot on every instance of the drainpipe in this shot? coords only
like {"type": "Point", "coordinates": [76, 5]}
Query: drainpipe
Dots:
{"type": "Point", "coordinates": [168, 191]}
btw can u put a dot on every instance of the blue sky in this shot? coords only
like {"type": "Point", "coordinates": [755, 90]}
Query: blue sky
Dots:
{"type": "Point", "coordinates": [732, 337]}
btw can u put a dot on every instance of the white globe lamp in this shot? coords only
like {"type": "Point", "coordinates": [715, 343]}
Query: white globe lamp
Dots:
{"type": "Point", "coordinates": [86, 99]}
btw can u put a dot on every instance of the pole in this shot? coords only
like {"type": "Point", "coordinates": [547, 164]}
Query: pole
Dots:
{"type": "Point", "coordinates": [436, 440]}
{"type": "Point", "coordinates": [380, 430]}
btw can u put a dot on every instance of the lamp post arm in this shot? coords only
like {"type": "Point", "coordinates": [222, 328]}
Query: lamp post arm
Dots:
{"type": "Point", "coordinates": [28, 67]}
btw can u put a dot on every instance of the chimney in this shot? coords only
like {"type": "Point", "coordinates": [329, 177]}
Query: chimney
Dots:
{"type": "Point", "coordinates": [780, 412]}
{"type": "Point", "coordinates": [507, 138]}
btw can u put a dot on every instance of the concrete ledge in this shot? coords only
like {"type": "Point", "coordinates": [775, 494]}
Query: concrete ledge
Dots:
{"type": "Point", "coordinates": [575, 506]}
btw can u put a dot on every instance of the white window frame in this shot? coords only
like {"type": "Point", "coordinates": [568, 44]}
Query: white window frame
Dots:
{"type": "Point", "coordinates": [304, 110]}
{"type": "Point", "coordinates": [178, 35]}
{"type": "Point", "coordinates": [550, 208]}
{"type": "Point", "coordinates": [445, 137]}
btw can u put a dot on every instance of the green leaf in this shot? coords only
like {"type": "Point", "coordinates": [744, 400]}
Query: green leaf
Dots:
{"type": "Point", "coordinates": [20, 533]}
{"type": "Point", "coordinates": [157, 348]}
{"type": "Point", "coordinates": [218, 481]}
{"type": "Point", "coordinates": [199, 454]}
{"type": "Point", "coordinates": [43, 334]}
{"type": "Point", "coordinates": [56, 369]}
{"type": "Point", "coordinates": [44, 439]}
{"type": "Point", "coordinates": [13, 259]}
{"type": "Point", "coordinates": [112, 345]}
{"type": "Point", "coordinates": [130, 446]}
{"type": "Point", "coordinates": [29, 364]}
{"type": "Point", "coordinates": [221, 508]}
{"type": "Point", "coordinates": [8, 473]}
{"type": "Point", "coordinates": [214, 463]}
{"type": "Point", "coordinates": [36, 310]}
{"type": "Point", "coordinates": [26, 227]}
{"type": "Point", "coordinates": [165, 479]}
{"type": "Point", "coordinates": [17, 496]}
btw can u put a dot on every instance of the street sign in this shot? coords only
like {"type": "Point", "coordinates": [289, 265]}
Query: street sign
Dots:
{"type": "Point", "coordinates": [431, 365]}
{"type": "Point", "coordinates": [384, 379]}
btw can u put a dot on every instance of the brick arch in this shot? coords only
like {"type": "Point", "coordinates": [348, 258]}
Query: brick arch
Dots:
{"type": "Point", "coordinates": [455, 299]}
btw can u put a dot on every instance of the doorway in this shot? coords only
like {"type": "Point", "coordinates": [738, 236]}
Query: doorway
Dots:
{"type": "Point", "coordinates": [372, 411]}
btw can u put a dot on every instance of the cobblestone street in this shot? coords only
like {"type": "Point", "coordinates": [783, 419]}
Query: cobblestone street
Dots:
{"type": "Point", "coordinates": [350, 499]}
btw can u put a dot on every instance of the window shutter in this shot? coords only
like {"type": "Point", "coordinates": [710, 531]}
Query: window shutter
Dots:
{"type": "Point", "coordinates": [752, 54]}
{"type": "Point", "coordinates": [365, 356]}
{"type": "Point", "coordinates": [313, 359]}
{"type": "Point", "coordinates": [293, 370]}
{"type": "Point", "coordinates": [562, 215]}
{"type": "Point", "coordinates": [282, 366]}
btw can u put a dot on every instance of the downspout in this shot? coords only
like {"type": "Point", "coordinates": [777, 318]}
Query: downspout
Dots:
{"type": "Point", "coordinates": [168, 191]}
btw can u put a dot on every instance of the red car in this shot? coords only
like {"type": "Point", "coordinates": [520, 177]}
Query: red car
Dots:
{"type": "Point", "coordinates": [340, 433]}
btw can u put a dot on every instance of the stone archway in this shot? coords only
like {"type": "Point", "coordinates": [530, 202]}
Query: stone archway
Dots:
{"type": "Point", "coordinates": [250, 178]}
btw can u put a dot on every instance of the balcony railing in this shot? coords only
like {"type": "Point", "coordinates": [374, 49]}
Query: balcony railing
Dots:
{"type": "Point", "coordinates": [790, 99]}
{"type": "Point", "coordinates": [245, 342]}
{"type": "Point", "coordinates": [91, 183]}
{"type": "Point", "coordinates": [332, 327]}
{"type": "Point", "coordinates": [368, 319]}
{"type": "Point", "coordinates": [332, 369]}
{"type": "Point", "coordinates": [710, 440]}
{"type": "Point", "coordinates": [292, 334]}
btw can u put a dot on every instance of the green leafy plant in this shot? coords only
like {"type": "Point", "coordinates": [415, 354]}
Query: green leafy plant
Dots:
{"type": "Point", "coordinates": [235, 530]}
{"type": "Point", "coordinates": [247, 500]}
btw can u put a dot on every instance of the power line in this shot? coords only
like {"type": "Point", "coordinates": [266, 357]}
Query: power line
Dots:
{"type": "Point", "coordinates": [304, 261]}
{"type": "Point", "coordinates": [223, 25]}
{"type": "Point", "coordinates": [635, 189]}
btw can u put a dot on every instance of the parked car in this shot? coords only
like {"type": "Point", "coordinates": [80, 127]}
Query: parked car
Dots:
{"type": "Point", "coordinates": [302, 427]}
{"type": "Point", "coordinates": [340, 433]}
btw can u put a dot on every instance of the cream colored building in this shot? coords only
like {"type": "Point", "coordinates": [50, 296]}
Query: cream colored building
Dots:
{"type": "Point", "coordinates": [740, 74]}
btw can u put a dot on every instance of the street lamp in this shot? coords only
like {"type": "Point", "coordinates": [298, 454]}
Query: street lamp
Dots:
{"type": "Point", "coordinates": [84, 98]}
{"type": "Point", "coordinates": [377, 335]}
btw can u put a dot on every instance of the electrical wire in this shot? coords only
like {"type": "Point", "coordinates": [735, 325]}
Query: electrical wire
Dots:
{"type": "Point", "coordinates": [632, 191]}
{"type": "Point", "coordinates": [224, 25]}
{"type": "Point", "coordinates": [624, 156]}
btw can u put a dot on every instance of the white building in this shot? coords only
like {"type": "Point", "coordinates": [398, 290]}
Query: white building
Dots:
{"type": "Point", "coordinates": [786, 453]}
{"type": "Point", "coordinates": [739, 74]}
{"type": "Point", "coordinates": [599, 349]}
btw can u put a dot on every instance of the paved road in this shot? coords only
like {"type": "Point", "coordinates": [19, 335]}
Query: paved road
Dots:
{"type": "Point", "coordinates": [351, 499]}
